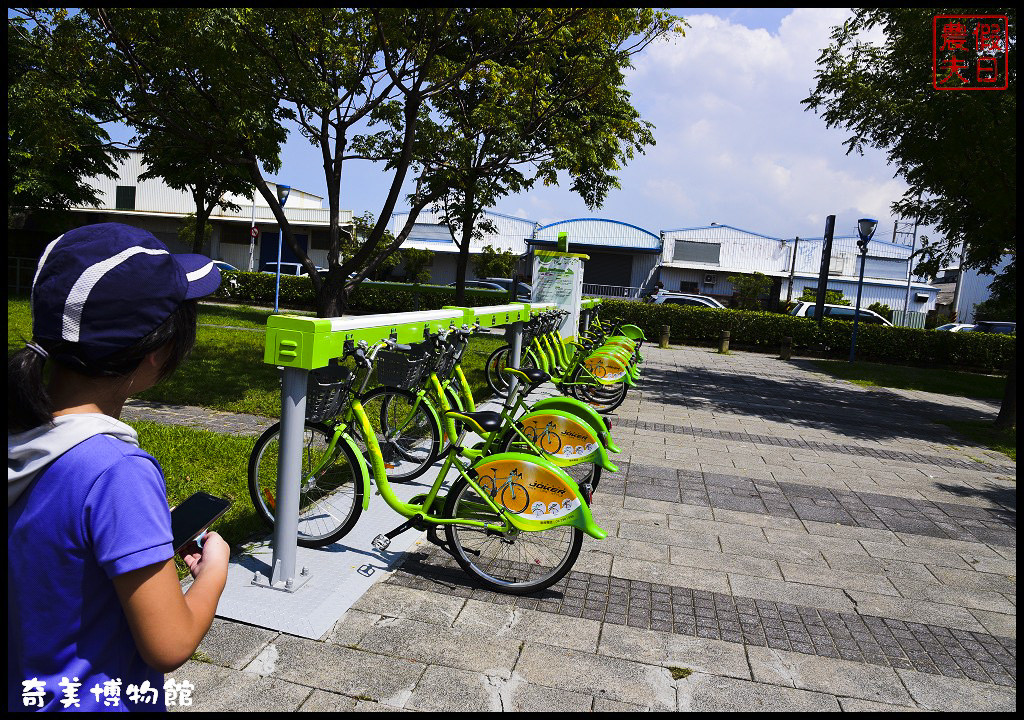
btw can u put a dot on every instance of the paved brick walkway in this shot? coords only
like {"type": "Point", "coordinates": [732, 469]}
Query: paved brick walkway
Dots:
{"type": "Point", "coordinates": [795, 542]}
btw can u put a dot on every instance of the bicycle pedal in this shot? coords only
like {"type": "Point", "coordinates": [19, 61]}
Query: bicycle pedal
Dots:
{"type": "Point", "coordinates": [381, 542]}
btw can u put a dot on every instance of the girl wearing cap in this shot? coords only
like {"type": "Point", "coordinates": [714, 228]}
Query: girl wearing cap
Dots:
{"type": "Point", "coordinates": [93, 598]}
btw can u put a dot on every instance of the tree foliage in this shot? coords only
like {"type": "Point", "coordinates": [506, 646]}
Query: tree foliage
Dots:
{"type": "Point", "coordinates": [750, 289]}
{"type": "Point", "coordinates": [56, 100]}
{"type": "Point", "coordinates": [551, 107]}
{"type": "Point", "coordinates": [832, 297]}
{"type": "Point", "coordinates": [957, 150]}
{"type": "Point", "coordinates": [494, 263]}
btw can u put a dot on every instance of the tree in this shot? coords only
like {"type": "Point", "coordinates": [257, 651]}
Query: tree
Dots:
{"type": "Point", "coordinates": [957, 150]}
{"type": "Point", "coordinates": [183, 168]}
{"type": "Point", "coordinates": [560, 106]}
{"type": "Point", "coordinates": [883, 310]}
{"type": "Point", "coordinates": [55, 98]}
{"type": "Point", "coordinates": [417, 264]}
{"type": "Point", "coordinates": [494, 263]}
{"type": "Point", "coordinates": [340, 68]}
{"type": "Point", "coordinates": [832, 297]}
{"type": "Point", "coordinates": [750, 289]}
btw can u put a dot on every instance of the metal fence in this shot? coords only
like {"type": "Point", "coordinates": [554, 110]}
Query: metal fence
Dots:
{"type": "Point", "coordinates": [909, 318]}
{"type": "Point", "coordinates": [20, 272]}
{"type": "Point", "coordinates": [622, 292]}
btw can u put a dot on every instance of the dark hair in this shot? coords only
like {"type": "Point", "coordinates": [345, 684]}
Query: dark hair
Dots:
{"type": "Point", "coordinates": [28, 403]}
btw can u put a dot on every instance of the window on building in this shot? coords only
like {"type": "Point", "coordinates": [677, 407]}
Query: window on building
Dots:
{"type": "Point", "coordinates": [686, 286]}
{"type": "Point", "coordinates": [124, 197]}
{"type": "Point", "coordinates": [702, 252]}
{"type": "Point", "coordinates": [882, 267]}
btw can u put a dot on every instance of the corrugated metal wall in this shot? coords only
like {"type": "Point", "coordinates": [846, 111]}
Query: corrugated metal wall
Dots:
{"type": "Point", "coordinates": [892, 295]}
{"type": "Point", "coordinates": [595, 231]}
{"type": "Point", "coordinates": [739, 250]}
{"type": "Point", "coordinates": [510, 232]}
{"type": "Point", "coordinates": [974, 289]}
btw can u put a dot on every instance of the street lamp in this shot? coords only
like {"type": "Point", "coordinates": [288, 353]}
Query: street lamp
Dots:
{"type": "Point", "coordinates": [282, 197]}
{"type": "Point", "coordinates": [865, 229]}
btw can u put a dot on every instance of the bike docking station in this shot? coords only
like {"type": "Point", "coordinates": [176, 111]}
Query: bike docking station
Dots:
{"type": "Point", "coordinates": [314, 587]}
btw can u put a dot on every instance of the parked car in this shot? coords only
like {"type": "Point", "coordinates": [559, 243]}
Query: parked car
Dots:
{"type": "Point", "coordinates": [993, 326]}
{"type": "Point", "coordinates": [674, 298]}
{"type": "Point", "coordinates": [523, 290]}
{"type": "Point", "coordinates": [287, 268]}
{"type": "Point", "coordinates": [955, 327]}
{"type": "Point", "coordinates": [480, 285]}
{"type": "Point", "coordinates": [840, 312]}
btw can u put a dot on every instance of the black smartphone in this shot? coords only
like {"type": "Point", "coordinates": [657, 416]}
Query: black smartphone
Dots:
{"type": "Point", "coordinates": [194, 515]}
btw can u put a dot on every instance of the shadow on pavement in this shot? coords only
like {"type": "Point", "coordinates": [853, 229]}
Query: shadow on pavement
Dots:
{"type": "Point", "coordinates": [806, 401]}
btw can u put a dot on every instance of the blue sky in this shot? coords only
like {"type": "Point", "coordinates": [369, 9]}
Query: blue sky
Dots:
{"type": "Point", "coordinates": [734, 145]}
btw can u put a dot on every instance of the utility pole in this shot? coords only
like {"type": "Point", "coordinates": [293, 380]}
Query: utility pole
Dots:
{"type": "Point", "coordinates": [826, 258]}
{"type": "Point", "coordinates": [792, 270]}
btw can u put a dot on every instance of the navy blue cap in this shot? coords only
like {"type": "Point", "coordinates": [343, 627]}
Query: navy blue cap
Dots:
{"type": "Point", "coordinates": [107, 286]}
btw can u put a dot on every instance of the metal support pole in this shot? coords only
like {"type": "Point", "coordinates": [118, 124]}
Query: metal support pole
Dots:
{"type": "Point", "coordinates": [517, 354]}
{"type": "Point", "coordinates": [856, 310]}
{"type": "Point", "coordinates": [277, 291]}
{"type": "Point", "coordinates": [289, 478]}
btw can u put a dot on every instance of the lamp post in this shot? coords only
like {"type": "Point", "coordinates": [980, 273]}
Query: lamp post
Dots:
{"type": "Point", "coordinates": [865, 229]}
{"type": "Point", "coordinates": [282, 197]}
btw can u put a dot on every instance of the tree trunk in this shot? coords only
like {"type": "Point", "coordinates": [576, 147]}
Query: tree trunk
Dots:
{"type": "Point", "coordinates": [1008, 411]}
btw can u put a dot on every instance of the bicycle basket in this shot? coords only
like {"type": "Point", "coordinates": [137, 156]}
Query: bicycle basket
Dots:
{"type": "Point", "coordinates": [400, 370]}
{"type": "Point", "coordinates": [445, 363]}
{"type": "Point", "coordinates": [327, 392]}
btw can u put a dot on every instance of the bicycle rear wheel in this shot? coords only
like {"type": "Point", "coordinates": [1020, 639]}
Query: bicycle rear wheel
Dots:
{"type": "Point", "coordinates": [331, 487]}
{"type": "Point", "coordinates": [517, 563]}
{"type": "Point", "coordinates": [409, 440]}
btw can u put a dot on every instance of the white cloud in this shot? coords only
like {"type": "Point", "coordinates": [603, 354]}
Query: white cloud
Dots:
{"type": "Point", "coordinates": [734, 144]}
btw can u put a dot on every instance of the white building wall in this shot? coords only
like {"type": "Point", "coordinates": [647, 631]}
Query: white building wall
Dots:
{"type": "Point", "coordinates": [741, 251]}
{"type": "Point", "coordinates": [975, 289]}
{"type": "Point", "coordinates": [510, 233]}
{"type": "Point", "coordinates": [892, 294]}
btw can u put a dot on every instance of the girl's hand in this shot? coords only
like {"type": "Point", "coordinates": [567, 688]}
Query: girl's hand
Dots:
{"type": "Point", "coordinates": [214, 554]}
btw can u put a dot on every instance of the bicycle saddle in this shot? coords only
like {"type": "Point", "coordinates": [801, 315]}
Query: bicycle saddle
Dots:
{"type": "Point", "coordinates": [485, 421]}
{"type": "Point", "coordinates": [532, 375]}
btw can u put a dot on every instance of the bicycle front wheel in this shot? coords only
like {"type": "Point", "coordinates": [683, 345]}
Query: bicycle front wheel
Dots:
{"type": "Point", "coordinates": [517, 563]}
{"type": "Point", "coordinates": [331, 487]}
{"type": "Point", "coordinates": [409, 438]}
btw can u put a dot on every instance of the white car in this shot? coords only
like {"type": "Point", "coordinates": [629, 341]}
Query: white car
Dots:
{"type": "Point", "coordinates": [287, 268]}
{"type": "Point", "coordinates": [955, 327]}
{"type": "Point", "coordinates": [674, 298]}
{"type": "Point", "coordinates": [840, 312]}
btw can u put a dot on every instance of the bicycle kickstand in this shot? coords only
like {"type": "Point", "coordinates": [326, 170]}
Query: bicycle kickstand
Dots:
{"type": "Point", "coordinates": [381, 542]}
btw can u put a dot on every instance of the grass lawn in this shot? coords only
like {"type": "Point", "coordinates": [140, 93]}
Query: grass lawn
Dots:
{"type": "Point", "coordinates": [945, 382]}
{"type": "Point", "coordinates": [982, 433]}
{"type": "Point", "coordinates": [225, 372]}
{"type": "Point", "coordinates": [226, 369]}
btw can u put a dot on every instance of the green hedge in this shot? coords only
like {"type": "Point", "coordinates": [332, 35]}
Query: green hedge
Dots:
{"type": "Point", "coordinates": [369, 297]}
{"type": "Point", "coordinates": [763, 331]}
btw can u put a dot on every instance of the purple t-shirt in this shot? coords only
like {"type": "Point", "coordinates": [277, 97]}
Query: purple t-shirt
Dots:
{"type": "Point", "coordinates": [99, 510]}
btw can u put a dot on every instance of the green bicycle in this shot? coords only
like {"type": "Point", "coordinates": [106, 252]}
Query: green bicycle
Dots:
{"type": "Point", "coordinates": [504, 550]}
